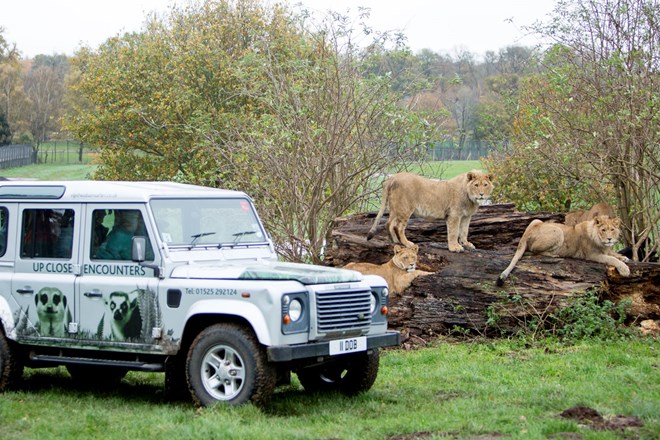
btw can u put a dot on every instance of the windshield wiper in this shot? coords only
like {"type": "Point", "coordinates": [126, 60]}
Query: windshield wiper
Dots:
{"type": "Point", "coordinates": [240, 235]}
{"type": "Point", "coordinates": [195, 237]}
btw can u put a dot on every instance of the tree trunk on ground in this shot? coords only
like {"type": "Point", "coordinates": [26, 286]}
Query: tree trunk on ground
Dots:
{"type": "Point", "coordinates": [462, 293]}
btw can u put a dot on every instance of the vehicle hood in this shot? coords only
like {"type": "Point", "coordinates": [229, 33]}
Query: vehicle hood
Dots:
{"type": "Point", "coordinates": [267, 270]}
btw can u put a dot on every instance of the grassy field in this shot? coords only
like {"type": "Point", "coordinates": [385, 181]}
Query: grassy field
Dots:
{"type": "Point", "coordinates": [49, 172]}
{"type": "Point", "coordinates": [74, 171]}
{"type": "Point", "coordinates": [445, 170]}
{"type": "Point", "coordinates": [483, 390]}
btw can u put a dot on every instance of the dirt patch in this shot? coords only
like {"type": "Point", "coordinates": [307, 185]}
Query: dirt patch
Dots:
{"type": "Point", "coordinates": [566, 435]}
{"type": "Point", "coordinates": [449, 435]}
{"type": "Point", "coordinates": [412, 436]}
{"type": "Point", "coordinates": [593, 419]}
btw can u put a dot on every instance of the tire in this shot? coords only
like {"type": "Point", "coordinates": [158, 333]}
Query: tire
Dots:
{"type": "Point", "coordinates": [351, 374]}
{"type": "Point", "coordinates": [11, 366]}
{"type": "Point", "coordinates": [226, 364]}
{"type": "Point", "coordinates": [96, 375]}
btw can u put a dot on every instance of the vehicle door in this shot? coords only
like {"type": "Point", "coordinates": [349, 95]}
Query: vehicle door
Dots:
{"type": "Point", "coordinates": [8, 225]}
{"type": "Point", "coordinates": [116, 296]}
{"type": "Point", "coordinates": [46, 264]}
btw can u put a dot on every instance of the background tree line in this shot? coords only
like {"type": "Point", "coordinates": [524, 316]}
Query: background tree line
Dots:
{"type": "Point", "coordinates": [304, 112]}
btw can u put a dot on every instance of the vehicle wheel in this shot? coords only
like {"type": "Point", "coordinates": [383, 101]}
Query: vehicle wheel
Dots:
{"type": "Point", "coordinates": [351, 374]}
{"type": "Point", "coordinates": [11, 366]}
{"type": "Point", "coordinates": [226, 364]}
{"type": "Point", "coordinates": [96, 375]}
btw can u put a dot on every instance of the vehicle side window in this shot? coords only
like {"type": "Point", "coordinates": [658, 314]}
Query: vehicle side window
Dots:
{"type": "Point", "coordinates": [113, 232]}
{"type": "Point", "coordinates": [47, 233]}
{"type": "Point", "coordinates": [4, 222]}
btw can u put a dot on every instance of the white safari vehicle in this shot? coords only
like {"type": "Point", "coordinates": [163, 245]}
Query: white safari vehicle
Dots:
{"type": "Point", "coordinates": [107, 277]}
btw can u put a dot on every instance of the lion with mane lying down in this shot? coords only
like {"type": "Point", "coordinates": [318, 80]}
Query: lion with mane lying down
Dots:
{"type": "Point", "coordinates": [399, 272]}
{"type": "Point", "coordinates": [455, 199]}
{"type": "Point", "coordinates": [591, 240]}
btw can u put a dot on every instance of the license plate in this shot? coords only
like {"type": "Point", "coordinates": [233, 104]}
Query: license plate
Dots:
{"type": "Point", "coordinates": [349, 345]}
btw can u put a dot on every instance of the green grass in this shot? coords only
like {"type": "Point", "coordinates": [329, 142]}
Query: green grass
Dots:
{"type": "Point", "coordinates": [77, 171]}
{"type": "Point", "coordinates": [445, 170]}
{"type": "Point", "coordinates": [450, 390]}
{"type": "Point", "coordinates": [49, 172]}
{"type": "Point", "coordinates": [57, 161]}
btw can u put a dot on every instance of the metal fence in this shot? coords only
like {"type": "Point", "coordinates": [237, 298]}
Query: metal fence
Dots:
{"type": "Point", "coordinates": [62, 152]}
{"type": "Point", "coordinates": [72, 152]}
{"type": "Point", "coordinates": [16, 156]}
{"type": "Point", "coordinates": [469, 150]}
{"type": "Point", "coordinates": [441, 152]}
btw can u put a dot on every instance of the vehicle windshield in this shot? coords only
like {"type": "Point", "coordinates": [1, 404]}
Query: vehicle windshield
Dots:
{"type": "Point", "coordinates": [204, 222]}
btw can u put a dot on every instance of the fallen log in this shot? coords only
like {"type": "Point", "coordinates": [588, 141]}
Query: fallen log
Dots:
{"type": "Point", "coordinates": [462, 293]}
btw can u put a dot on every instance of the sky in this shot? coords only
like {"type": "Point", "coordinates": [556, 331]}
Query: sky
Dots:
{"type": "Point", "coordinates": [445, 26]}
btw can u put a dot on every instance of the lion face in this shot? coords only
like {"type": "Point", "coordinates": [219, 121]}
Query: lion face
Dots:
{"type": "Point", "coordinates": [606, 230]}
{"type": "Point", "coordinates": [480, 186]}
{"type": "Point", "coordinates": [405, 258]}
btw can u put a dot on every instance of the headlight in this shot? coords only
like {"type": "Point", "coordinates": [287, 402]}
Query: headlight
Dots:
{"type": "Point", "coordinates": [295, 310]}
{"type": "Point", "coordinates": [295, 319]}
{"type": "Point", "coordinates": [379, 305]}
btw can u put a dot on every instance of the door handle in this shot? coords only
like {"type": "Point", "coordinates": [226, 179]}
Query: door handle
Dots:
{"type": "Point", "coordinates": [24, 291]}
{"type": "Point", "coordinates": [93, 294]}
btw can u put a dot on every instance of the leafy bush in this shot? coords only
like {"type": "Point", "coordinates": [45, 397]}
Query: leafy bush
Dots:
{"type": "Point", "coordinates": [589, 318]}
{"type": "Point", "coordinates": [583, 317]}
{"type": "Point", "coordinates": [525, 179]}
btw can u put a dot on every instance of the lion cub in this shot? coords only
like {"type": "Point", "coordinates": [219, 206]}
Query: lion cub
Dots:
{"type": "Point", "coordinates": [591, 240]}
{"type": "Point", "coordinates": [455, 199]}
{"type": "Point", "coordinates": [399, 272]}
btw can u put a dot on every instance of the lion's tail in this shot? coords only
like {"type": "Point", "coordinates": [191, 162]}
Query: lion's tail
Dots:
{"type": "Point", "coordinates": [381, 211]}
{"type": "Point", "coordinates": [520, 251]}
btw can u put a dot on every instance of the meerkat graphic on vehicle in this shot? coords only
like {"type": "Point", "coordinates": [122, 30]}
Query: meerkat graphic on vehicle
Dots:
{"type": "Point", "coordinates": [107, 277]}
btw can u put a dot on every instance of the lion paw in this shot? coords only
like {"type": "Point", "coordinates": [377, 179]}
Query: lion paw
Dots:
{"type": "Point", "coordinates": [455, 248]}
{"type": "Point", "coordinates": [623, 270]}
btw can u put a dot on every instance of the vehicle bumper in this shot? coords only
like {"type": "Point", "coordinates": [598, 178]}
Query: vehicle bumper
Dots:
{"type": "Point", "coordinates": [283, 353]}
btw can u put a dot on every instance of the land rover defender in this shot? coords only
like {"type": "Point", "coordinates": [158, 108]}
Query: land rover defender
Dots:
{"type": "Point", "coordinates": [107, 277]}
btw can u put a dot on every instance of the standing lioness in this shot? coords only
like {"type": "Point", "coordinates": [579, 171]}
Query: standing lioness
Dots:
{"type": "Point", "coordinates": [455, 199]}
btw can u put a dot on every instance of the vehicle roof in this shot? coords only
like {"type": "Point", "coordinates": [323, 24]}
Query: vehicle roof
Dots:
{"type": "Point", "coordinates": [76, 191]}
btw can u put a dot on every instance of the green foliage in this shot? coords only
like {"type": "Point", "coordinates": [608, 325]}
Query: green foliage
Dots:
{"type": "Point", "coordinates": [583, 317]}
{"type": "Point", "coordinates": [246, 96]}
{"type": "Point", "coordinates": [587, 129]}
{"type": "Point", "coordinates": [588, 318]}
{"type": "Point", "coordinates": [156, 94]}
{"type": "Point", "coordinates": [524, 178]}
{"type": "Point", "coordinates": [5, 131]}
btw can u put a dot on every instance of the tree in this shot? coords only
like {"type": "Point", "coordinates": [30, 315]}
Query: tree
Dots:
{"type": "Point", "coordinates": [590, 119]}
{"type": "Point", "coordinates": [495, 112]}
{"type": "Point", "coordinates": [244, 96]}
{"type": "Point", "coordinates": [5, 131]}
{"type": "Point", "coordinates": [44, 88]}
{"type": "Point", "coordinates": [12, 97]}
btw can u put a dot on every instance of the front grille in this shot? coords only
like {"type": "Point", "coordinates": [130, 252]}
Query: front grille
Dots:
{"type": "Point", "coordinates": [341, 310]}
